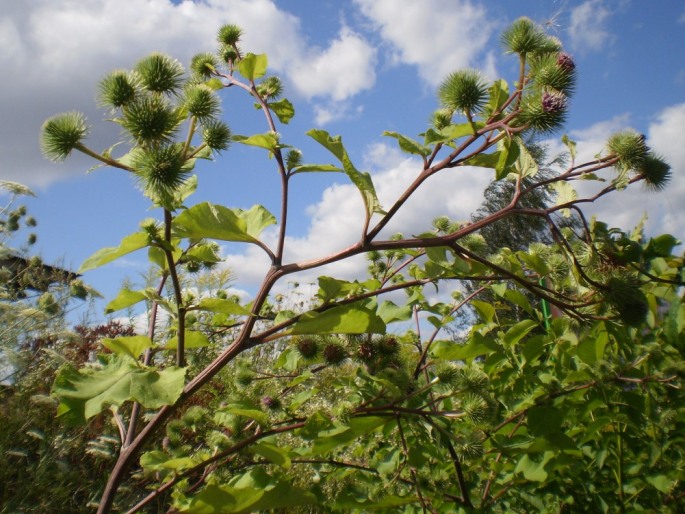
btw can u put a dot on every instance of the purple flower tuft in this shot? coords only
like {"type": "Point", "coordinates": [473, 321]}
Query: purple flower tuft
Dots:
{"type": "Point", "coordinates": [565, 62]}
{"type": "Point", "coordinates": [553, 103]}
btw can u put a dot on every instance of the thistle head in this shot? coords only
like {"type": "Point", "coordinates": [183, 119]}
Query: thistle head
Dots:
{"type": "Point", "coordinates": [526, 37]}
{"type": "Point", "coordinates": [544, 112]}
{"type": "Point", "coordinates": [160, 171]}
{"type": "Point", "coordinates": [553, 102]}
{"type": "Point", "coordinates": [216, 135]}
{"type": "Point", "coordinates": [151, 120]}
{"type": "Point", "coordinates": [61, 134]}
{"type": "Point", "coordinates": [204, 65]}
{"type": "Point", "coordinates": [655, 171]}
{"type": "Point", "coordinates": [160, 73]}
{"type": "Point", "coordinates": [630, 148]}
{"type": "Point", "coordinates": [463, 91]}
{"type": "Point", "coordinates": [334, 353]}
{"type": "Point", "coordinates": [201, 101]}
{"type": "Point", "coordinates": [547, 73]}
{"type": "Point", "coordinates": [270, 87]}
{"type": "Point", "coordinates": [229, 35]}
{"type": "Point", "coordinates": [117, 89]}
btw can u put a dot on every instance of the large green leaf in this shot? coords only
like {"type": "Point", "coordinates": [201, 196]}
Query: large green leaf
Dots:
{"type": "Point", "coordinates": [309, 168]}
{"type": "Point", "coordinates": [565, 193]}
{"type": "Point", "coordinates": [125, 298]}
{"type": "Point", "coordinates": [129, 244]}
{"type": "Point", "coordinates": [87, 392]}
{"type": "Point", "coordinates": [499, 93]}
{"type": "Point", "coordinates": [361, 180]}
{"type": "Point", "coordinates": [222, 306]}
{"type": "Point", "coordinates": [331, 288]}
{"type": "Point", "coordinates": [356, 427]}
{"type": "Point", "coordinates": [268, 140]}
{"type": "Point", "coordinates": [477, 346]}
{"type": "Point", "coordinates": [133, 346]}
{"type": "Point", "coordinates": [283, 109]}
{"type": "Point", "coordinates": [408, 145]}
{"type": "Point", "coordinates": [344, 319]}
{"type": "Point", "coordinates": [206, 220]}
{"type": "Point", "coordinates": [193, 339]}
{"type": "Point", "coordinates": [544, 420]}
{"type": "Point", "coordinates": [272, 453]}
{"type": "Point", "coordinates": [253, 66]}
{"type": "Point", "coordinates": [519, 331]}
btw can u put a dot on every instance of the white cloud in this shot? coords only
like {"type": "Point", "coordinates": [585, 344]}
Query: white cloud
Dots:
{"type": "Point", "coordinates": [54, 54]}
{"type": "Point", "coordinates": [340, 71]}
{"type": "Point", "coordinates": [587, 28]}
{"type": "Point", "coordinates": [437, 36]}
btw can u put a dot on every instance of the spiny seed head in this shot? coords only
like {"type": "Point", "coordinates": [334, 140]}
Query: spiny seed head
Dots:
{"type": "Point", "coordinates": [534, 115]}
{"type": "Point", "coordinates": [334, 353]}
{"type": "Point", "coordinates": [228, 54]}
{"type": "Point", "coordinates": [630, 148]}
{"type": "Point", "coordinates": [553, 102]}
{"type": "Point", "coordinates": [271, 403]}
{"type": "Point", "coordinates": [61, 134]}
{"type": "Point", "coordinates": [628, 300]}
{"type": "Point", "coordinates": [201, 101]}
{"type": "Point", "coordinates": [525, 37]}
{"type": "Point", "coordinates": [441, 118]}
{"type": "Point", "coordinates": [547, 74]}
{"type": "Point", "coordinates": [655, 171]}
{"type": "Point", "coordinates": [151, 120]}
{"type": "Point", "coordinates": [366, 351]}
{"type": "Point", "coordinates": [307, 347]}
{"type": "Point", "coordinates": [204, 65]}
{"type": "Point", "coordinates": [229, 34]}
{"type": "Point", "coordinates": [463, 91]}
{"type": "Point", "coordinates": [160, 73]}
{"type": "Point", "coordinates": [270, 88]}
{"type": "Point", "coordinates": [117, 89]}
{"type": "Point", "coordinates": [216, 134]}
{"type": "Point", "coordinates": [388, 346]}
{"type": "Point", "coordinates": [159, 169]}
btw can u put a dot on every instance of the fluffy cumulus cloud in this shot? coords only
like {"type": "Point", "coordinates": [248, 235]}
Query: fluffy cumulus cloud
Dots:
{"type": "Point", "coordinates": [337, 218]}
{"type": "Point", "coordinates": [587, 28]}
{"type": "Point", "coordinates": [339, 71]}
{"type": "Point", "coordinates": [437, 36]}
{"type": "Point", "coordinates": [54, 51]}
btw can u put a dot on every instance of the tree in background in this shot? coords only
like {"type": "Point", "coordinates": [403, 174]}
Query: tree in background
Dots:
{"type": "Point", "coordinates": [327, 410]}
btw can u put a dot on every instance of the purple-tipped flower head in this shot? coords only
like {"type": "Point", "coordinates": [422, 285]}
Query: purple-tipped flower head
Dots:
{"type": "Point", "coordinates": [565, 62]}
{"type": "Point", "coordinates": [553, 103]}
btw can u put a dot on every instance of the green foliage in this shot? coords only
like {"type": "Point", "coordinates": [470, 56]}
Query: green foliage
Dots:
{"type": "Point", "coordinates": [557, 391]}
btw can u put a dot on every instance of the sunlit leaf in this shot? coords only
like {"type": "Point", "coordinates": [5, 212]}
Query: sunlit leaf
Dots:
{"type": "Point", "coordinates": [360, 179]}
{"type": "Point", "coordinates": [133, 346]}
{"type": "Point", "coordinates": [253, 66]}
{"type": "Point", "coordinates": [129, 244]}
{"type": "Point", "coordinates": [408, 145]}
{"type": "Point", "coordinates": [344, 319]}
{"type": "Point", "coordinates": [86, 392]}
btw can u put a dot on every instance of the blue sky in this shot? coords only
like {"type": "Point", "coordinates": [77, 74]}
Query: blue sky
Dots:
{"type": "Point", "coordinates": [354, 68]}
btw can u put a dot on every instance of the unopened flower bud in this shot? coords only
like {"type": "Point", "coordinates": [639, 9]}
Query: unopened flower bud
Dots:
{"type": "Point", "coordinates": [565, 62]}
